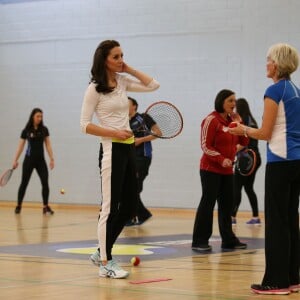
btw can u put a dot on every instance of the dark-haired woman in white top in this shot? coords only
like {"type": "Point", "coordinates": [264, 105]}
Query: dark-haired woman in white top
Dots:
{"type": "Point", "coordinates": [106, 98]}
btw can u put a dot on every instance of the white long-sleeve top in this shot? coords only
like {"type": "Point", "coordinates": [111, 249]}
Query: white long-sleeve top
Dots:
{"type": "Point", "coordinates": [112, 110]}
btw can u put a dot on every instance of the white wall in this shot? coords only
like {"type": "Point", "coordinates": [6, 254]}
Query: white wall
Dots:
{"type": "Point", "coordinates": [193, 47]}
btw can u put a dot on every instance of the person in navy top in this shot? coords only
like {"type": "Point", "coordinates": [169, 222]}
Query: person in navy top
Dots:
{"type": "Point", "coordinates": [143, 149]}
{"type": "Point", "coordinates": [281, 128]}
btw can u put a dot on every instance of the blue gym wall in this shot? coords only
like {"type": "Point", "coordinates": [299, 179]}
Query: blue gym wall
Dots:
{"type": "Point", "coordinates": [193, 48]}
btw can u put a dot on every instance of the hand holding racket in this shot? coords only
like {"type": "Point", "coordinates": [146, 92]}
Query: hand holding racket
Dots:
{"type": "Point", "coordinates": [167, 117]}
{"type": "Point", "coordinates": [245, 161]}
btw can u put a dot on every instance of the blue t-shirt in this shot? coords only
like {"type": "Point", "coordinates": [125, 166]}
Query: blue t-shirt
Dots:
{"type": "Point", "coordinates": [144, 149]}
{"type": "Point", "coordinates": [285, 141]}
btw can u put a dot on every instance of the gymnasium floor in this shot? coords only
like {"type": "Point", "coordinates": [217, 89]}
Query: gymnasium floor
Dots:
{"type": "Point", "coordinates": [47, 257]}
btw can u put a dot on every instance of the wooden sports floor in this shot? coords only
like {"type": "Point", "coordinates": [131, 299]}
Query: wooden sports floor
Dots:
{"type": "Point", "coordinates": [47, 257]}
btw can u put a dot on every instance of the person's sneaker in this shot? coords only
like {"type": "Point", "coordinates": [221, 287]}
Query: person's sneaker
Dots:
{"type": "Point", "coordinates": [233, 221]}
{"type": "Point", "coordinates": [202, 248]}
{"type": "Point", "coordinates": [237, 245]}
{"type": "Point", "coordinates": [47, 210]}
{"type": "Point", "coordinates": [269, 290]}
{"type": "Point", "coordinates": [140, 221]}
{"type": "Point", "coordinates": [254, 221]}
{"type": "Point", "coordinates": [130, 223]}
{"type": "Point", "coordinates": [112, 270]}
{"type": "Point", "coordinates": [18, 209]}
{"type": "Point", "coordinates": [294, 288]}
{"type": "Point", "coordinates": [95, 258]}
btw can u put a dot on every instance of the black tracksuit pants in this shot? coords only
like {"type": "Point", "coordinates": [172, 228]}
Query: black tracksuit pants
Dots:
{"type": "Point", "coordinates": [215, 187]}
{"type": "Point", "coordinates": [282, 189]}
{"type": "Point", "coordinates": [142, 165]}
{"type": "Point", "coordinates": [119, 192]}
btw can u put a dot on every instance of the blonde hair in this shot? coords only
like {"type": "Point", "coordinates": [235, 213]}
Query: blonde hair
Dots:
{"type": "Point", "coordinates": [286, 59]}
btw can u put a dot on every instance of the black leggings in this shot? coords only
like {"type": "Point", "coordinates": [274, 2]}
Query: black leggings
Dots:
{"type": "Point", "coordinates": [41, 167]}
{"type": "Point", "coordinates": [247, 182]}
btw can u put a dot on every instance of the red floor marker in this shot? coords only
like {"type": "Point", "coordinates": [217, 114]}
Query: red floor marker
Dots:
{"type": "Point", "coordinates": [149, 280]}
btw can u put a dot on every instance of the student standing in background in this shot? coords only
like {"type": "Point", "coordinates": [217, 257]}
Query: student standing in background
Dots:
{"type": "Point", "coordinates": [240, 181]}
{"type": "Point", "coordinates": [143, 147]}
{"type": "Point", "coordinates": [36, 135]}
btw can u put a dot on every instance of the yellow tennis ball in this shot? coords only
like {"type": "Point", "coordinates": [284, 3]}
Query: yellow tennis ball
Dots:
{"type": "Point", "coordinates": [135, 261]}
{"type": "Point", "coordinates": [62, 191]}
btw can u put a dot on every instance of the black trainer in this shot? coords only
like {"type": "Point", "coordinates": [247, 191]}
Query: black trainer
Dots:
{"type": "Point", "coordinates": [132, 222]}
{"type": "Point", "coordinates": [237, 245]}
{"type": "Point", "coordinates": [141, 221]}
{"type": "Point", "coordinates": [47, 210]}
{"type": "Point", "coordinates": [18, 209]}
{"type": "Point", "coordinates": [202, 248]}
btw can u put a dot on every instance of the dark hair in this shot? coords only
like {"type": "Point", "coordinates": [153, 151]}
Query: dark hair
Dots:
{"type": "Point", "coordinates": [243, 109]}
{"type": "Point", "coordinates": [98, 71]}
{"type": "Point", "coordinates": [220, 98]}
{"type": "Point", "coordinates": [29, 124]}
{"type": "Point", "coordinates": [134, 102]}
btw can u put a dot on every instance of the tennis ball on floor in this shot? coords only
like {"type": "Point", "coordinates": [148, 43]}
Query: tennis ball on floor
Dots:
{"type": "Point", "coordinates": [233, 124]}
{"type": "Point", "coordinates": [135, 261]}
{"type": "Point", "coordinates": [62, 191]}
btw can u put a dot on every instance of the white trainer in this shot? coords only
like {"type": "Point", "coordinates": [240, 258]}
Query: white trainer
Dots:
{"type": "Point", "coordinates": [95, 258]}
{"type": "Point", "coordinates": [112, 270]}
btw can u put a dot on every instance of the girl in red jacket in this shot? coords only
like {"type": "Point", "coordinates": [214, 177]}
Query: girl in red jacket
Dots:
{"type": "Point", "coordinates": [216, 173]}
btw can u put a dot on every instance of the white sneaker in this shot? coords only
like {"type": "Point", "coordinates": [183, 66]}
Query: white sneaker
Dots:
{"type": "Point", "coordinates": [95, 258]}
{"type": "Point", "coordinates": [112, 270]}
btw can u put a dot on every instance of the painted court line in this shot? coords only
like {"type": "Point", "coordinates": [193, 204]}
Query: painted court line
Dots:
{"type": "Point", "coordinates": [149, 280]}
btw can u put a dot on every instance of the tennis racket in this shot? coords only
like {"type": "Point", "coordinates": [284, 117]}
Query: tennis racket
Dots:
{"type": "Point", "coordinates": [5, 177]}
{"type": "Point", "coordinates": [246, 161]}
{"type": "Point", "coordinates": [167, 117]}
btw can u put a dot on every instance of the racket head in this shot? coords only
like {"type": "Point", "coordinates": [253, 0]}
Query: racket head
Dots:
{"type": "Point", "coordinates": [5, 177]}
{"type": "Point", "coordinates": [246, 162]}
{"type": "Point", "coordinates": [167, 117]}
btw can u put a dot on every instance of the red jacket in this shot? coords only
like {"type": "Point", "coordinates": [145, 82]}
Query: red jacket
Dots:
{"type": "Point", "coordinates": [217, 143]}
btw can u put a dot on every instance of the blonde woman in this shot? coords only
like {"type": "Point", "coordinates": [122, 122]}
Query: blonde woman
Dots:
{"type": "Point", "coordinates": [281, 128]}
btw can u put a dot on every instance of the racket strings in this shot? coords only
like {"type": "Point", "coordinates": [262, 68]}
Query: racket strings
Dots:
{"type": "Point", "coordinates": [5, 177]}
{"type": "Point", "coordinates": [167, 117]}
{"type": "Point", "coordinates": [246, 162]}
